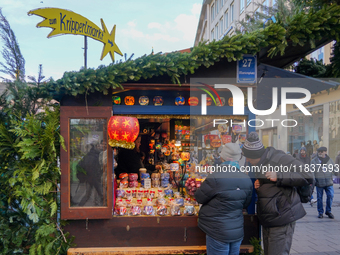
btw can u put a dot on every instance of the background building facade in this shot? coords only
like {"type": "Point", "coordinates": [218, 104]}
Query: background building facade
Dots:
{"type": "Point", "coordinates": [219, 18]}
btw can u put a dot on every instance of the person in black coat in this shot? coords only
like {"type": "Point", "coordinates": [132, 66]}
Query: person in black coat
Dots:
{"type": "Point", "coordinates": [303, 156]}
{"type": "Point", "coordinates": [278, 205]}
{"type": "Point", "coordinates": [90, 171]}
{"type": "Point", "coordinates": [129, 161]}
{"type": "Point", "coordinates": [223, 195]}
{"type": "Point", "coordinates": [323, 166]}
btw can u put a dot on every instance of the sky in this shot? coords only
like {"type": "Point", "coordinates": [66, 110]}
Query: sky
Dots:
{"type": "Point", "coordinates": [140, 25]}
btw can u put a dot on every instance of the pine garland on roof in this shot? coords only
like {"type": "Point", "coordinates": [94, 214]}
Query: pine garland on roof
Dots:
{"type": "Point", "coordinates": [299, 29]}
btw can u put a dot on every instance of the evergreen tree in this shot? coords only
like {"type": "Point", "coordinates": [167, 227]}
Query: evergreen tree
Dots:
{"type": "Point", "coordinates": [333, 69]}
{"type": "Point", "coordinates": [281, 10]}
{"type": "Point", "coordinates": [313, 68]}
{"type": "Point", "coordinates": [29, 147]}
{"type": "Point", "coordinates": [14, 65]}
{"type": "Point", "coordinates": [314, 4]}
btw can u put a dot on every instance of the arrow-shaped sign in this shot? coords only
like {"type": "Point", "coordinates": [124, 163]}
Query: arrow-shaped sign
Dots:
{"type": "Point", "coordinates": [67, 22]}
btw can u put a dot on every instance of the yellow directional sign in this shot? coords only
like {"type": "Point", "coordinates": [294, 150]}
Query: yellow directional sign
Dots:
{"type": "Point", "coordinates": [67, 22]}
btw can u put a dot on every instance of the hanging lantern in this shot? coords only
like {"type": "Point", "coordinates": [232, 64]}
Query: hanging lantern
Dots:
{"type": "Point", "coordinates": [123, 131]}
{"type": "Point", "coordinates": [185, 156]}
{"type": "Point", "coordinates": [193, 101]}
{"type": "Point", "coordinates": [180, 100]}
{"type": "Point", "coordinates": [222, 128]}
{"type": "Point", "coordinates": [216, 142]}
{"type": "Point", "coordinates": [237, 128]}
{"type": "Point", "coordinates": [116, 100]}
{"type": "Point", "coordinates": [164, 135]}
{"type": "Point", "coordinates": [209, 101]}
{"type": "Point", "coordinates": [226, 139]}
{"type": "Point", "coordinates": [143, 100]}
{"type": "Point", "coordinates": [129, 100]}
{"type": "Point", "coordinates": [218, 101]}
{"type": "Point", "coordinates": [230, 101]}
{"type": "Point", "coordinates": [158, 100]}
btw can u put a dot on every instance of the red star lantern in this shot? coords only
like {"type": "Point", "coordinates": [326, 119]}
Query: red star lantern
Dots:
{"type": "Point", "coordinates": [123, 131]}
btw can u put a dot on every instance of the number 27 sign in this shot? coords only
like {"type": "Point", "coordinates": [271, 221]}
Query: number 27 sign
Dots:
{"type": "Point", "coordinates": [247, 69]}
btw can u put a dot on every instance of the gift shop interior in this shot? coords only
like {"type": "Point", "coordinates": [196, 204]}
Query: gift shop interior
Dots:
{"type": "Point", "coordinates": [152, 145]}
{"type": "Point", "coordinates": [159, 176]}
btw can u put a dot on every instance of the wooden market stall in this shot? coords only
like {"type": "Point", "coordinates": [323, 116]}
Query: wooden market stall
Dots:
{"type": "Point", "coordinates": [84, 125]}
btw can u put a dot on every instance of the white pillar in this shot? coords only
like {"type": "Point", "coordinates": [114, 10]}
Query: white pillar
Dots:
{"type": "Point", "coordinates": [325, 126]}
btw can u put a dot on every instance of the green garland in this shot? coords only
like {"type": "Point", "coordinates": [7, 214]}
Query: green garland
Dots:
{"type": "Point", "coordinates": [300, 29]}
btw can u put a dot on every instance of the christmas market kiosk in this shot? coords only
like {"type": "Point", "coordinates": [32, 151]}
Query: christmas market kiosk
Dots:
{"type": "Point", "coordinates": [181, 128]}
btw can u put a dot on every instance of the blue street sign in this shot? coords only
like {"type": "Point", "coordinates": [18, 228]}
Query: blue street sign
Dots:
{"type": "Point", "coordinates": [247, 69]}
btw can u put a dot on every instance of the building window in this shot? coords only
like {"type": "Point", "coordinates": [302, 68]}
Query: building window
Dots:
{"type": "Point", "coordinates": [226, 19]}
{"type": "Point", "coordinates": [212, 12]}
{"type": "Point", "coordinates": [221, 26]}
{"type": "Point", "coordinates": [241, 6]}
{"type": "Point", "coordinates": [222, 2]}
{"type": "Point", "coordinates": [248, 2]}
{"type": "Point", "coordinates": [232, 12]}
{"type": "Point", "coordinates": [88, 185]}
{"type": "Point", "coordinates": [216, 31]}
{"type": "Point", "coordinates": [216, 5]}
{"type": "Point", "coordinates": [273, 2]}
{"type": "Point", "coordinates": [309, 130]}
{"type": "Point", "coordinates": [265, 6]}
{"type": "Point", "coordinates": [212, 35]}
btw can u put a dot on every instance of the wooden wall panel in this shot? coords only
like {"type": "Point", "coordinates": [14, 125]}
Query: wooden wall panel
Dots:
{"type": "Point", "coordinates": [146, 231]}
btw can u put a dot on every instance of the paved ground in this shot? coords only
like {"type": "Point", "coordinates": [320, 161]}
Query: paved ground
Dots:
{"type": "Point", "coordinates": [314, 236]}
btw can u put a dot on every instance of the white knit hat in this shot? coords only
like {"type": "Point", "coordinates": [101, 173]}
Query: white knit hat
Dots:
{"type": "Point", "coordinates": [231, 150]}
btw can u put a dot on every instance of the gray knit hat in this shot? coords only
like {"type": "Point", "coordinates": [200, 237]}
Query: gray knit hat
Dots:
{"type": "Point", "coordinates": [231, 151]}
{"type": "Point", "coordinates": [253, 147]}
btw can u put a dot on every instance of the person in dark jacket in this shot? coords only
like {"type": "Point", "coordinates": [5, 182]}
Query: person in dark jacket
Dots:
{"type": "Point", "coordinates": [90, 171]}
{"type": "Point", "coordinates": [337, 159]}
{"type": "Point", "coordinates": [278, 205]}
{"type": "Point", "coordinates": [223, 195]}
{"type": "Point", "coordinates": [129, 161]}
{"type": "Point", "coordinates": [337, 163]}
{"type": "Point", "coordinates": [303, 157]}
{"type": "Point", "coordinates": [296, 152]}
{"type": "Point", "coordinates": [323, 166]}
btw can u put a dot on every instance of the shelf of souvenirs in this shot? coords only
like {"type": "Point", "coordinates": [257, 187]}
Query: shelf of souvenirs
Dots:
{"type": "Point", "coordinates": [164, 194]}
{"type": "Point", "coordinates": [156, 203]}
{"type": "Point", "coordinates": [140, 202]}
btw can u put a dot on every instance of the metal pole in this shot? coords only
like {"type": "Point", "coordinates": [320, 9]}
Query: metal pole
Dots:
{"type": "Point", "coordinates": [85, 52]}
